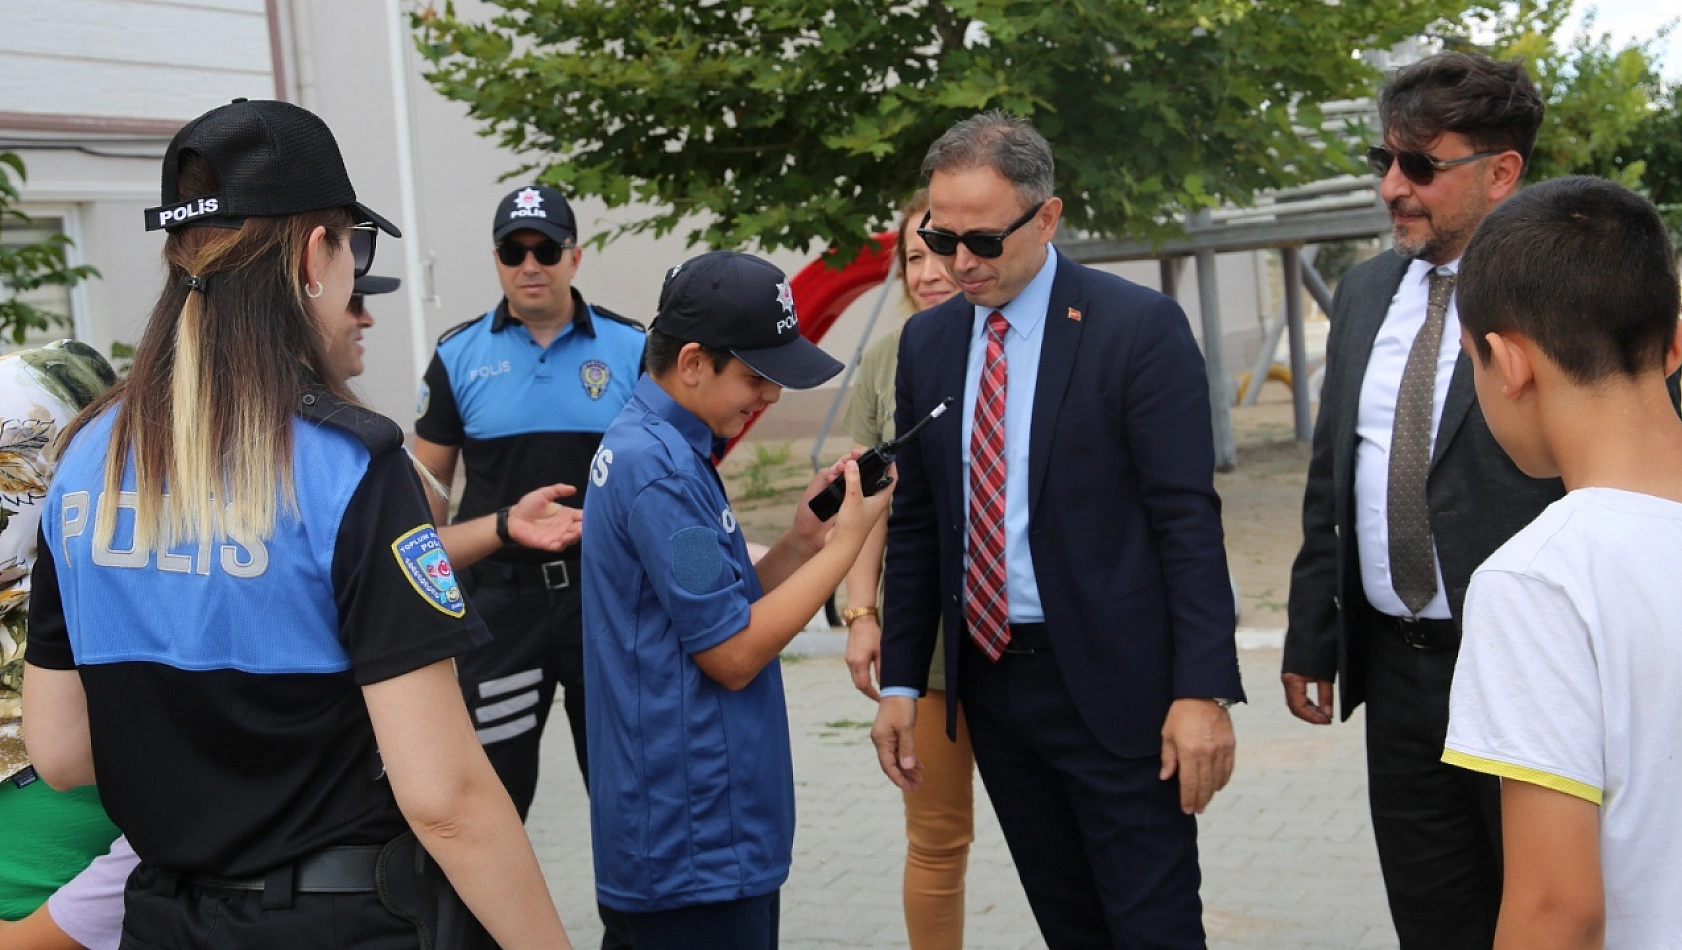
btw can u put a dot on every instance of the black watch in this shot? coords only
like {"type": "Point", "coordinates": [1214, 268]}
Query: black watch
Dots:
{"type": "Point", "coordinates": [502, 526]}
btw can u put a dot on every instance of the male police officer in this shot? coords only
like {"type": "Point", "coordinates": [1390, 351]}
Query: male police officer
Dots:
{"type": "Point", "coordinates": [522, 394]}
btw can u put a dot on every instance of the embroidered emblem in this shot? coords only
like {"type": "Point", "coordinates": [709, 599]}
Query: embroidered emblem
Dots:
{"type": "Point", "coordinates": [424, 401]}
{"type": "Point", "coordinates": [595, 375]}
{"type": "Point", "coordinates": [527, 204]}
{"type": "Point", "coordinates": [785, 296]}
{"type": "Point", "coordinates": [728, 519]}
{"type": "Point", "coordinates": [421, 555]}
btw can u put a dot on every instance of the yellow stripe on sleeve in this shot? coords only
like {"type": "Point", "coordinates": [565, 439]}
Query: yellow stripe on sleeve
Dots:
{"type": "Point", "coordinates": [1524, 773]}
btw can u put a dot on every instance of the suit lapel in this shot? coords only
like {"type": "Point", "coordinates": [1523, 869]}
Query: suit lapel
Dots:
{"type": "Point", "coordinates": [1058, 344]}
{"type": "Point", "coordinates": [1368, 316]}
{"type": "Point", "coordinates": [1456, 405]}
{"type": "Point", "coordinates": [953, 356]}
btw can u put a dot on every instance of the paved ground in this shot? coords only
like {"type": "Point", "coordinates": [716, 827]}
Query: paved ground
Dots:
{"type": "Point", "coordinates": [1287, 853]}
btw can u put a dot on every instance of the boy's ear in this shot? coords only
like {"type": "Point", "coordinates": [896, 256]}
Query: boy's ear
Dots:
{"type": "Point", "coordinates": [689, 360]}
{"type": "Point", "coordinates": [1673, 355]}
{"type": "Point", "coordinates": [1512, 361]}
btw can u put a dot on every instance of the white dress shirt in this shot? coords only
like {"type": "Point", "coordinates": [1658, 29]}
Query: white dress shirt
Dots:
{"type": "Point", "coordinates": [1373, 423]}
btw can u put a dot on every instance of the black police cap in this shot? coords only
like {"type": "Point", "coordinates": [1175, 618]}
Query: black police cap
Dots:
{"type": "Point", "coordinates": [742, 304]}
{"type": "Point", "coordinates": [270, 158]}
{"type": "Point", "coordinates": [538, 208]}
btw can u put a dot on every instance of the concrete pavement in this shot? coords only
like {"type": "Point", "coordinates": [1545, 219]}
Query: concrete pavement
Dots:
{"type": "Point", "coordinates": [1287, 850]}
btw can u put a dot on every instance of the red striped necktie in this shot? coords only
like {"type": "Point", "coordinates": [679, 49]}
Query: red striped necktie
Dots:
{"type": "Point", "coordinates": [987, 605]}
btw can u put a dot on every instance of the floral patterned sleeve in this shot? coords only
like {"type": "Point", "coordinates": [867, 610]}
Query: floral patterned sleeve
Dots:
{"type": "Point", "coordinates": [41, 391]}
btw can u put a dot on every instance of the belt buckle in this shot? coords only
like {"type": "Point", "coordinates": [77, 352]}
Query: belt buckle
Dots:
{"type": "Point", "coordinates": [1412, 633]}
{"type": "Point", "coordinates": [550, 582]}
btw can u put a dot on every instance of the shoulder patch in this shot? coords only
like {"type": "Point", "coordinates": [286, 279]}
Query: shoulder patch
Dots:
{"type": "Point", "coordinates": [696, 559]}
{"type": "Point", "coordinates": [377, 434]}
{"type": "Point", "coordinates": [458, 328]}
{"type": "Point", "coordinates": [605, 313]}
{"type": "Point", "coordinates": [421, 555]}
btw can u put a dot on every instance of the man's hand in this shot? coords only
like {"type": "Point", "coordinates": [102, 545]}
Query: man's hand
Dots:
{"type": "Point", "coordinates": [864, 654]}
{"type": "Point", "coordinates": [896, 751]}
{"type": "Point", "coordinates": [1296, 698]}
{"type": "Point", "coordinates": [1197, 742]}
{"type": "Point", "coordinates": [536, 522]}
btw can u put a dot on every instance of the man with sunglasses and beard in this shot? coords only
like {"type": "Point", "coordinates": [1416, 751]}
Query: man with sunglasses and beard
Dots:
{"type": "Point", "coordinates": [1062, 524]}
{"type": "Point", "coordinates": [1408, 493]}
{"type": "Point", "coordinates": [521, 395]}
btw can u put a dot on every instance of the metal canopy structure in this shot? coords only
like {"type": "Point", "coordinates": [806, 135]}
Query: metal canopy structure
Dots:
{"type": "Point", "coordinates": [1338, 209]}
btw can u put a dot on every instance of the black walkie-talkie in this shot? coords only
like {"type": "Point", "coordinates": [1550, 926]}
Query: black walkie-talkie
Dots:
{"type": "Point", "coordinates": [873, 469]}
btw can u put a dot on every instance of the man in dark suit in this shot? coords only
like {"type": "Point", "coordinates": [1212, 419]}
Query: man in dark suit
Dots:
{"type": "Point", "coordinates": [1408, 493]}
{"type": "Point", "coordinates": [1063, 523]}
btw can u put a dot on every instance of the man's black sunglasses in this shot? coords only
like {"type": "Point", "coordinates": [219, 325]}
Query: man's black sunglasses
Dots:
{"type": "Point", "coordinates": [362, 246]}
{"type": "Point", "coordinates": [987, 244]}
{"type": "Point", "coordinates": [513, 254]}
{"type": "Point", "coordinates": [1417, 167]}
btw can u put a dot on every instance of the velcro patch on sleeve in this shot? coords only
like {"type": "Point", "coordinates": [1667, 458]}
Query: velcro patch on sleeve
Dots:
{"type": "Point", "coordinates": [421, 555]}
{"type": "Point", "coordinates": [697, 560]}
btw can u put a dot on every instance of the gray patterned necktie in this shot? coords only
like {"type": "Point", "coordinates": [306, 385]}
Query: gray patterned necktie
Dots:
{"type": "Point", "coordinates": [1413, 569]}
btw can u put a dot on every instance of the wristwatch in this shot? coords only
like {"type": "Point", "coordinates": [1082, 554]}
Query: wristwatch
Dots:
{"type": "Point", "coordinates": [851, 614]}
{"type": "Point", "coordinates": [502, 526]}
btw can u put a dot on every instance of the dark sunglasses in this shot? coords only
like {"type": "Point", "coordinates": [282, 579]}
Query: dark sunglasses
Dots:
{"type": "Point", "coordinates": [1417, 167]}
{"type": "Point", "coordinates": [987, 244]}
{"type": "Point", "coordinates": [548, 253]}
{"type": "Point", "coordinates": [355, 305]}
{"type": "Point", "coordinates": [362, 246]}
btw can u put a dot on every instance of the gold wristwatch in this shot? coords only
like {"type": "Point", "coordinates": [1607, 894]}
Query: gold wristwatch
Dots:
{"type": "Point", "coordinates": [851, 614]}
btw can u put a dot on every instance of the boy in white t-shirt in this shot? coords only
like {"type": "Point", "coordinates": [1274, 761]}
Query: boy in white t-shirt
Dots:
{"type": "Point", "coordinates": [1569, 683]}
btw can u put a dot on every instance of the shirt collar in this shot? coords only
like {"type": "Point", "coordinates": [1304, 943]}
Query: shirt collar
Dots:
{"type": "Point", "coordinates": [1420, 269]}
{"type": "Point", "coordinates": [695, 432]}
{"type": "Point", "coordinates": [1025, 313]}
{"type": "Point", "coordinates": [582, 317]}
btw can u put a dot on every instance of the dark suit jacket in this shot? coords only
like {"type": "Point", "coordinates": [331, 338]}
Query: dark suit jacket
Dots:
{"type": "Point", "coordinates": [1124, 522]}
{"type": "Point", "coordinates": [1477, 496]}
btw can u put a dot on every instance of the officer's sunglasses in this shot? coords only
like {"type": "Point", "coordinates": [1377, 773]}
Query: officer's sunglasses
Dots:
{"type": "Point", "coordinates": [987, 244]}
{"type": "Point", "coordinates": [1417, 167]}
{"type": "Point", "coordinates": [362, 246]}
{"type": "Point", "coordinates": [355, 305]}
{"type": "Point", "coordinates": [548, 253]}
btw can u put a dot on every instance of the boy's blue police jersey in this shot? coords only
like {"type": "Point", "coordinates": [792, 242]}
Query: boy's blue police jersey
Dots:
{"type": "Point", "coordinates": [224, 680]}
{"type": "Point", "coordinates": [691, 784]}
{"type": "Point", "coordinates": [525, 415]}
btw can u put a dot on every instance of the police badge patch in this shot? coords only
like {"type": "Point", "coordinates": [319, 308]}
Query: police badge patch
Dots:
{"type": "Point", "coordinates": [421, 555]}
{"type": "Point", "coordinates": [594, 374]}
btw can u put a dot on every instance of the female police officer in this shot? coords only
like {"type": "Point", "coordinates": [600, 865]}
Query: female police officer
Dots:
{"type": "Point", "coordinates": [243, 620]}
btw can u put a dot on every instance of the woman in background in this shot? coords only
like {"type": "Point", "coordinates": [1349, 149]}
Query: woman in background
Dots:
{"type": "Point", "coordinates": [939, 815]}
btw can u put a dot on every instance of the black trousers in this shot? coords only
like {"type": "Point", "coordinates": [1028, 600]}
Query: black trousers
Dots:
{"type": "Point", "coordinates": [1108, 860]}
{"type": "Point", "coordinates": [1438, 827]}
{"type": "Point", "coordinates": [747, 924]}
{"type": "Point", "coordinates": [510, 685]}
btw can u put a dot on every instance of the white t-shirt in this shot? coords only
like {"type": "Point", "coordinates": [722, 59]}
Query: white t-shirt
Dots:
{"type": "Point", "coordinates": [1570, 677]}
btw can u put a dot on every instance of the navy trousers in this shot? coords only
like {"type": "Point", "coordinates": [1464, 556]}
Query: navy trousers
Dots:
{"type": "Point", "coordinates": [1108, 860]}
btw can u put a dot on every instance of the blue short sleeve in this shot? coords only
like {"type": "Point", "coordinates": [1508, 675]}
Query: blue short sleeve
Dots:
{"type": "Point", "coordinates": [687, 547]}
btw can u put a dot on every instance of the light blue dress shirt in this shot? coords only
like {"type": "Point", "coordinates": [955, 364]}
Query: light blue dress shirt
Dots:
{"type": "Point", "coordinates": [1026, 316]}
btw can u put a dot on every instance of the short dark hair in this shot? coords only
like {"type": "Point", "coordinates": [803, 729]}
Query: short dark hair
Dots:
{"type": "Point", "coordinates": [1493, 104]}
{"type": "Point", "coordinates": [1581, 266]}
{"type": "Point", "coordinates": [659, 354]}
{"type": "Point", "coordinates": [1008, 144]}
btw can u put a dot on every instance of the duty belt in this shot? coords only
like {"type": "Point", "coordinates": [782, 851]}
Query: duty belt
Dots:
{"type": "Point", "coordinates": [348, 869]}
{"type": "Point", "coordinates": [554, 575]}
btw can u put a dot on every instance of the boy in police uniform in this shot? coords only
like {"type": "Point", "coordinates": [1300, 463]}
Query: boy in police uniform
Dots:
{"type": "Point", "coordinates": [691, 784]}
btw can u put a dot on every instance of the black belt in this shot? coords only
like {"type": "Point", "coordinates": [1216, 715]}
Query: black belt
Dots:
{"type": "Point", "coordinates": [1420, 633]}
{"type": "Point", "coordinates": [347, 869]}
{"type": "Point", "coordinates": [1028, 638]}
{"type": "Point", "coordinates": [555, 575]}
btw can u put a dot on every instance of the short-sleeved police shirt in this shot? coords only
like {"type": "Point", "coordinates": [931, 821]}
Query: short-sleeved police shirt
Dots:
{"type": "Point", "coordinates": [691, 784]}
{"type": "Point", "coordinates": [224, 681]}
{"type": "Point", "coordinates": [525, 415]}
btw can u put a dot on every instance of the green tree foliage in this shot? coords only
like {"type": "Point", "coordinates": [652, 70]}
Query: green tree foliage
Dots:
{"type": "Point", "coordinates": [30, 266]}
{"type": "Point", "coordinates": [789, 122]}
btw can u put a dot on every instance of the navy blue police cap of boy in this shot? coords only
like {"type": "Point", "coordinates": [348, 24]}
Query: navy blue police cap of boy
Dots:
{"type": "Point", "coordinates": [537, 208]}
{"type": "Point", "coordinates": [270, 158]}
{"type": "Point", "coordinates": [742, 304]}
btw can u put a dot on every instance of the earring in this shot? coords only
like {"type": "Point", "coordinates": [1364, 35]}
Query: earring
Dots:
{"type": "Point", "coordinates": [319, 290]}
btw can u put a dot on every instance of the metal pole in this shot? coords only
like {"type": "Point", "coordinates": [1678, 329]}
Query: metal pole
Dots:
{"type": "Point", "coordinates": [1220, 388]}
{"type": "Point", "coordinates": [853, 365]}
{"type": "Point", "coordinates": [1299, 348]}
{"type": "Point", "coordinates": [1169, 268]}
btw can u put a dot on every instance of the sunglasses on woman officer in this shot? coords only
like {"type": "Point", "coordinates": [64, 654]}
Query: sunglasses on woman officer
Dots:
{"type": "Point", "coordinates": [355, 305]}
{"type": "Point", "coordinates": [362, 246]}
{"type": "Point", "coordinates": [1417, 167]}
{"type": "Point", "coordinates": [988, 244]}
{"type": "Point", "coordinates": [548, 253]}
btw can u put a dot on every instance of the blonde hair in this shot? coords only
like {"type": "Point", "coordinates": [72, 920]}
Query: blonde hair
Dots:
{"type": "Point", "coordinates": [205, 416]}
